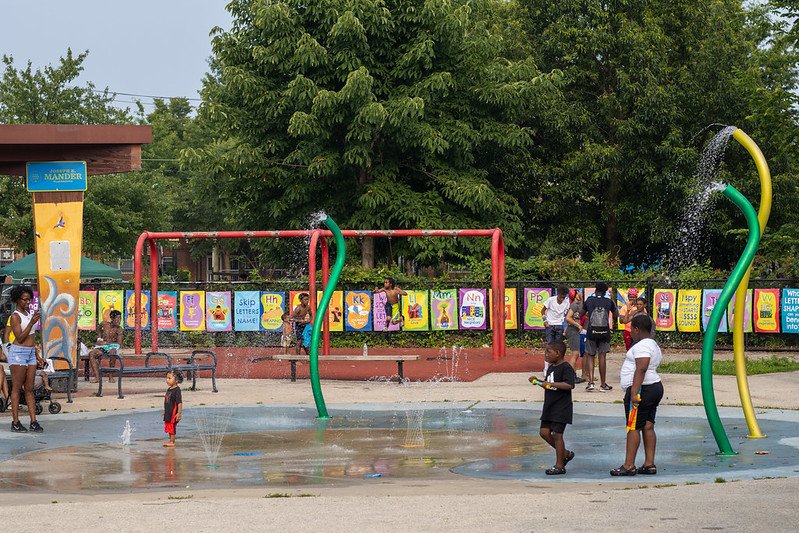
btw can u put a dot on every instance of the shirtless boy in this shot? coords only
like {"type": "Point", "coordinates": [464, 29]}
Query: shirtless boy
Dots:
{"type": "Point", "coordinates": [393, 315]}
{"type": "Point", "coordinates": [110, 339]}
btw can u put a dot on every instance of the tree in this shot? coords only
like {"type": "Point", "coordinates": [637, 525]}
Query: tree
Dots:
{"type": "Point", "coordinates": [385, 114]}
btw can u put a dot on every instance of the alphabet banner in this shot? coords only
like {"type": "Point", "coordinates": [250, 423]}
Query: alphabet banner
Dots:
{"type": "Point", "coordinates": [168, 310]}
{"type": "Point", "coordinates": [443, 306]}
{"type": "Point", "coordinates": [663, 309]}
{"type": "Point", "coordinates": [192, 310]}
{"type": "Point", "coordinates": [247, 311]}
{"type": "Point", "coordinates": [271, 309]}
{"type": "Point", "coordinates": [621, 301]}
{"type": "Point", "coordinates": [689, 310]}
{"type": "Point", "coordinates": [767, 310]}
{"type": "Point", "coordinates": [415, 311]}
{"type": "Point", "coordinates": [709, 299]}
{"type": "Point", "coordinates": [747, 312]}
{"type": "Point", "coordinates": [109, 301]}
{"type": "Point", "coordinates": [335, 310]}
{"type": "Point", "coordinates": [358, 310]}
{"type": "Point", "coordinates": [379, 314]}
{"type": "Point", "coordinates": [130, 309]}
{"type": "Point", "coordinates": [533, 302]}
{"type": "Point", "coordinates": [509, 307]}
{"type": "Point", "coordinates": [218, 316]}
{"type": "Point", "coordinates": [87, 307]}
{"type": "Point", "coordinates": [34, 307]}
{"type": "Point", "coordinates": [472, 314]}
{"type": "Point", "coordinates": [790, 310]}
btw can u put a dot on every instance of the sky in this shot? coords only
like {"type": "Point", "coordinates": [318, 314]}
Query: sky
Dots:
{"type": "Point", "coordinates": [148, 47]}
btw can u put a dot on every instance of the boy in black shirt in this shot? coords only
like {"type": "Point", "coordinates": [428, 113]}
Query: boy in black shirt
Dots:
{"type": "Point", "coordinates": [557, 411]}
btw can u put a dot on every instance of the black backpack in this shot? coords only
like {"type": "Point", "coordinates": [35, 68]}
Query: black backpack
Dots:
{"type": "Point", "coordinates": [599, 330]}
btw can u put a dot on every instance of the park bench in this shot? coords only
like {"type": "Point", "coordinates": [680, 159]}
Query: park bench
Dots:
{"type": "Point", "coordinates": [399, 359]}
{"type": "Point", "coordinates": [190, 367]}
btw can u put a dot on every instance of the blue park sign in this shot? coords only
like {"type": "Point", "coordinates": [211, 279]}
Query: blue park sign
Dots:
{"type": "Point", "coordinates": [56, 176]}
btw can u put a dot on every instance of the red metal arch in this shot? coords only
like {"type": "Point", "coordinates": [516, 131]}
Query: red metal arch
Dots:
{"type": "Point", "coordinates": [319, 237]}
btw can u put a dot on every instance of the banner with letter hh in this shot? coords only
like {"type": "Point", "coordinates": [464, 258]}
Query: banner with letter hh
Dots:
{"type": "Point", "coordinates": [663, 309]}
{"type": "Point", "coordinates": [533, 302]}
{"type": "Point", "coordinates": [790, 310]}
{"type": "Point", "coordinates": [767, 310]}
{"type": "Point", "coordinates": [472, 310]}
{"type": "Point", "coordinates": [689, 310]}
{"type": "Point", "coordinates": [192, 310]}
{"type": "Point", "coordinates": [247, 311]}
{"type": "Point", "coordinates": [168, 310]}
{"type": "Point", "coordinates": [358, 305]}
{"type": "Point", "coordinates": [709, 299]}
{"type": "Point", "coordinates": [443, 306]}
{"type": "Point", "coordinates": [130, 309]}
{"type": "Point", "coordinates": [335, 309]}
{"type": "Point", "coordinates": [272, 307]}
{"type": "Point", "coordinates": [109, 301]}
{"type": "Point", "coordinates": [379, 314]}
{"type": "Point", "coordinates": [621, 301]}
{"type": "Point", "coordinates": [415, 311]}
{"type": "Point", "coordinates": [218, 316]}
{"type": "Point", "coordinates": [87, 308]}
{"type": "Point", "coordinates": [747, 312]}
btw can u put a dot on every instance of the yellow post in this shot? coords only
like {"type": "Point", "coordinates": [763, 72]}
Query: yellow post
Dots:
{"type": "Point", "coordinates": [740, 293]}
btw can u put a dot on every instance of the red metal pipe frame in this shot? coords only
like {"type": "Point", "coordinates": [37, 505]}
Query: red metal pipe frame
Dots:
{"type": "Point", "coordinates": [497, 269]}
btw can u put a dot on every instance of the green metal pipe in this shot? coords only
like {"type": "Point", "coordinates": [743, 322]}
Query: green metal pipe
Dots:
{"type": "Point", "coordinates": [709, 342]}
{"type": "Point", "coordinates": [319, 318]}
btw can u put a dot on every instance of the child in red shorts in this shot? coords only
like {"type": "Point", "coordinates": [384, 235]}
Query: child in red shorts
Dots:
{"type": "Point", "coordinates": [173, 405]}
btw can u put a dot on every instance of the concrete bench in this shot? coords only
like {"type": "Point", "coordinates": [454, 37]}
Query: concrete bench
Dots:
{"type": "Point", "coordinates": [399, 359]}
{"type": "Point", "coordinates": [192, 365]}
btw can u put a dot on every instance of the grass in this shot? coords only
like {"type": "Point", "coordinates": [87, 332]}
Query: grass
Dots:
{"type": "Point", "coordinates": [186, 497]}
{"type": "Point", "coordinates": [289, 495]}
{"type": "Point", "coordinates": [720, 480]}
{"type": "Point", "coordinates": [727, 368]}
{"type": "Point", "coordinates": [692, 483]}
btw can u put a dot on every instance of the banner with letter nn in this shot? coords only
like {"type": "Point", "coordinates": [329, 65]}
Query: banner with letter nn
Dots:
{"type": "Point", "coordinates": [358, 305]}
{"type": "Point", "coordinates": [168, 310]}
{"type": "Point", "coordinates": [767, 310]}
{"type": "Point", "coordinates": [247, 311]}
{"type": "Point", "coordinates": [217, 315]}
{"type": "Point", "coordinates": [689, 310]}
{"type": "Point", "coordinates": [379, 314]}
{"type": "Point", "coordinates": [87, 308]}
{"type": "Point", "coordinates": [472, 310]}
{"type": "Point", "coordinates": [621, 302]}
{"type": "Point", "coordinates": [533, 302]}
{"type": "Point", "coordinates": [443, 308]}
{"type": "Point", "coordinates": [663, 309]}
{"type": "Point", "coordinates": [335, 309]}
{"type": "Point", "coordinates": [414, 310]}
{"type": "Point", "coordinates": [271, 308]}
{"type": "Point", "coordinates": [109, 301]}
{"type": "Point", "coordinates": [790, 310]}
{"type": "Point", "coordinates": [747, 312]}
{"type": "Point", "coordinates": [709, 299]}
{"type": "Point", "coordinates": [192, 310]}
{"type": "Point", "coordinates": [130, 309]}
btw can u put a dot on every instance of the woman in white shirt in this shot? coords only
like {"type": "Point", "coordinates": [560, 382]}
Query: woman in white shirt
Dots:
{"type": "Point", "coordinates": [643, 390]}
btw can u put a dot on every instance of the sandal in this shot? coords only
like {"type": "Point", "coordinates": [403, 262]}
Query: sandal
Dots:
{"type": "Point", "coordinates": [555, 471]}
{"type": "Point", "coordinates": [648, 470]}
{"type": "Point", "coordinates": [621, 471]}
{"type": "Point", "coordinates": [569, 457]}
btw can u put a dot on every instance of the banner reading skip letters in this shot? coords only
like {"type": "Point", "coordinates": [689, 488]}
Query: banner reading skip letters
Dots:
{"type": "Point", "coordinates": [218, 316]}
{"type": "Point", "coordinates": [87, 308]}
{"type": "Point", "coordinates": [533, 302]}
{"type": "Point", "coordinates": [767, 310]}
{"type": "Point", "coordinates": [415, 311]}
{"type": "Point", "coordinates": [168, 311]}
{"type": "Point", "coordinates": [472, 310]}
{"type": "Point", "coordinates": [192, 310]}
{"type": "Point", "coordinates": [246, 311]}
{"type": "Point", "coordinates": [358, 310]}
{"type": "Point", "coordinates": [790, 310]}
{"type": "Point", "coordinates": [443, 309]}
{"type": "Point", "coordinates": [689, 310]}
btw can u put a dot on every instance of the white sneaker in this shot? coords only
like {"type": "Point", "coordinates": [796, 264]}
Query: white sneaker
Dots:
{"type": "Point", "coordinates": [590, 387]}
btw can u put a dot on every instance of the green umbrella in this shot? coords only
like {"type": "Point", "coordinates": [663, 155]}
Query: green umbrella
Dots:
{"type": "Point", "coordinates": [25, 268]}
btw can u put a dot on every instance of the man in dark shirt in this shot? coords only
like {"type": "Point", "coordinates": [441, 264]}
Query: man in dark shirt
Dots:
{"type": "Point", "coordinates": [597, 341]}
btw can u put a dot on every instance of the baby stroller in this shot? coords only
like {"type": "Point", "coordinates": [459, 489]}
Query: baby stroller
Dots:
{"type": "Point", "coordinates": [40, 394]}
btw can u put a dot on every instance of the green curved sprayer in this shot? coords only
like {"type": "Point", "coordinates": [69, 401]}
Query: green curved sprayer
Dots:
{"type": "Point", "coordinates": [709, 342]}
{"type": "Point", "coordinates": [319, 318]}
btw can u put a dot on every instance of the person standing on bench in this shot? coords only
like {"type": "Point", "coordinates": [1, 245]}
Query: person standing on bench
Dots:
{"type": "Point", "coordinates": [109, 341]}
{"type": "Point", "coordinates": [301, 315]}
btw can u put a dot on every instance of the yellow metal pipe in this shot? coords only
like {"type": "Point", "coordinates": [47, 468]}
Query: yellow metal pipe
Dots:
{"type": "Point", "coordinates": [740, 294]}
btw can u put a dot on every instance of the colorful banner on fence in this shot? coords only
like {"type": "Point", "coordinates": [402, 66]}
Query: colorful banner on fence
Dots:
{"type": "Point", "coordinates": [790, 310]}
{"type": "Point", "coordinates": [358, 305]}
{"type": "Point", "coordinates": [709, 299]}
{"type": "Point", "coordinates": [168, 310]}
{"type": "Point", "coordinates": [747, 312]}
{"type": "Point", "coordinates": [689, 310]}
{"type": "Point", "coordinates": [271, 308]}
{"type": "Point", "coordinates": [767, 310]}
{"type": "Point", "coordinates": [663, 309]}
{"type": "Point", "coordinates": [109, 301]}
{"type": "Point", "coordinates": [509, 307]}
{"type": "Point", "coordinates": [87, 308]}
{"type": "Point", "coordinates": [443, 306]}
{"type": "Point", "coordinates": [533, 302]}
{"type": "Point", "coordinates": [379, 314]}
{"type": "Point", "coordinates": [130, 309]}
{"type": "Point", "coordinates": [335, 309]}
{"type": "Point", "coordinates": [415, 311]}
{"type": "Point", "coordinates": [218, 316]}
{"type": "Point", "coordinates": [247, 311]}
{"type": "Point", "coordinates": [472, 310]}
{"type": "Point", "coordinates": [621, 301]}
{"type": "Point", "coordinates": [192, 310]}
{"type": "Point", "coordinates": [34, 308]}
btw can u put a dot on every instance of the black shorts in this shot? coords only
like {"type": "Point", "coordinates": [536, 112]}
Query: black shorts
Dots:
{"type": "Point", "coordinates": [554, 427]}
{"type": "Point", "coordinates": [299, 327]}
{"type": "Point", "coordinates": [648, 408]}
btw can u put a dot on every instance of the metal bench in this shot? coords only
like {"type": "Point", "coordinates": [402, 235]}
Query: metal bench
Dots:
{"type": "Point", "coordinates": [399, 359]}
{"type": "Point", "coordinates": [190, 366]}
